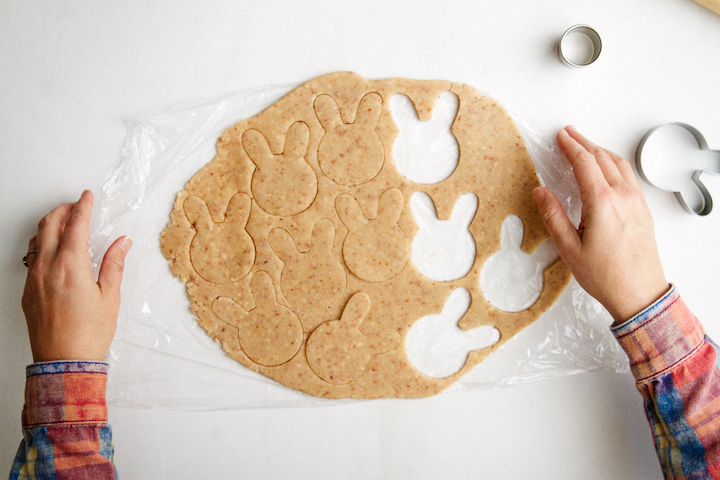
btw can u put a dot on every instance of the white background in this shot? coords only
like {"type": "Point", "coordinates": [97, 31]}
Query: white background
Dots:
{"type": "Point", "coordinates": [72, 72]}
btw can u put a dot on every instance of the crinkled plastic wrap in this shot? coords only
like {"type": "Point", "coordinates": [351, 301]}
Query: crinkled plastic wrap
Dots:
{"type": "Point", "coordinates": [161, 358]}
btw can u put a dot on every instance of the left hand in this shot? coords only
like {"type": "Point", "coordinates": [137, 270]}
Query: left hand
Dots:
{"type": "Point", "coordinates": [69, 315]}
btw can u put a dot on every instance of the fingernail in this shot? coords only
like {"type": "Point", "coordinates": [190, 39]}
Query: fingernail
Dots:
{"type": "Point", "coordinates": [571, 128]}
{"type": "Point", "coordinates": [126, 244]}
{"type": "Point", "coordinates": [539, 194]}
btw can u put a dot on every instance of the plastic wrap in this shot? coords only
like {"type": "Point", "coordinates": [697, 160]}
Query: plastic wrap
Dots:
{"type": "Point", "coordinates": [160, 357]}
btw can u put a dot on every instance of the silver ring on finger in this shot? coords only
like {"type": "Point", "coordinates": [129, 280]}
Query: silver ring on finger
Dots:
{"type": "Point", "coordinates": [25, 258]}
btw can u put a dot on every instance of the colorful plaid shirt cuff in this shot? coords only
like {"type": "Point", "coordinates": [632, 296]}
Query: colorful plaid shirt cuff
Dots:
{"type": "Point", "coordinates": [69, 392]}
{"type": "Point", "coordinates": [65, 430]}
{"type": "Point", "coordinates": [660, 336]}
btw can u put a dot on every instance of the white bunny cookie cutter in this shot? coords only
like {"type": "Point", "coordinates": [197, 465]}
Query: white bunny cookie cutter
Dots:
{"type": "Point", "coordinates": [705, 203]}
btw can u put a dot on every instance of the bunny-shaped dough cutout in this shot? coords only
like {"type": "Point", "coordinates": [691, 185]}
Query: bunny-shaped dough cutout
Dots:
{"type": "Point", "coordinates": [270, 334]}
{"type": "Point", "coordinates": [221, 252]}
{"type": "Point", "coordinates": [285, 184]}
{"type": "Point", "coordinates": [425, 151]}
{"type": "Point", "coordinates": [437, 347]}
{"type": "Point", "coordinates": [350, 153]}
{"type": "Point", "coordinates": [374, 250]}
{"type": "Point", "coordinates": [338, 352]}
{"type": "Point", "coordinates": [443, 250]}
{"type": "Point", "coordinates": [311, 281]}
{"type": "Point", "coordinates": [511, 279]}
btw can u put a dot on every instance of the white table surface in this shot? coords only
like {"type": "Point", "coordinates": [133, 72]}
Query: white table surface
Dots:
{"type": "Point", "coordinates": [72, 72]}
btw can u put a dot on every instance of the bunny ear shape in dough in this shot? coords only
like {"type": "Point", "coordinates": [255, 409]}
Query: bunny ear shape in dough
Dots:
{"type": "Point", "coordinates": [283, 244]}
{"type": "Point", "coordinates": [328, 113]}
{"type": "Point", "coordinates": [445, 110]}
{"type": "Point", "coordinates": [238, 210]}
{"type": "Point", "coordinates": [257, 148]}
{"type": "Point", "coordinates": [356, 310]}
{"type": "Point", "coordinates": [296, 141]}
{"type": "Point", "coordinates": [511, 233]}
{"type": "Point", "coordinates": [197, 213]}
{"type": "Point", "coordinates": [263, 290]}
{"type": "Point", "coordinates": [368, 112]}
{"type": "Point", "coordinates": [229, 311]}
{"type": "Point", "coordinates": [349, 211]}
{"type": "Point", "coordinates": [323, 237]}
{"type": "Point", "coordinates": [423, 210]}
{"type": "Point", "coordinates": [390, 206]}
{"type": "Point", "coordinates": [464, 210]}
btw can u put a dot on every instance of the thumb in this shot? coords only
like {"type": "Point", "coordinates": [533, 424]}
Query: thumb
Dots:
{"type": "Point", "coordinates": [557, 222]}
{"type": "Point", "coordinates": [113, 264]}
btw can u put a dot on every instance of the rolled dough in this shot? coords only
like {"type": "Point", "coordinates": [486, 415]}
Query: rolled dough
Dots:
{"type": "Point", "coordinates": [294, 241]}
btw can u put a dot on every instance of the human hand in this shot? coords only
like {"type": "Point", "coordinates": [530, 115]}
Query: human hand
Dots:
{"type": "Point", "coordinates": [613, 253]}
{"type": "Point", "coordinates": [69, 315]}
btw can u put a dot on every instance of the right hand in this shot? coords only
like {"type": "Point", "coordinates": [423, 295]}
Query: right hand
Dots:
{"type": "Point", "coordinates": [613, 253]}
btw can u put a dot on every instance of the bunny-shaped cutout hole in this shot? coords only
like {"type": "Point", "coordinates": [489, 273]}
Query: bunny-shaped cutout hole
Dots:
{"type": "Point", "coordinates": [338, 352]}
{"type": "Point", "coordinates": [350, 154]}
{"type": "Point", "coordinates": [375, 249]}
{"type": "Point", "coordinates": [269, 334]}
{"type": "Point", "coordinates": [443, 250]}
{"type": "Point", "coordinates": [437, 347]}
{"type": "Point", "coordinates": [284, 184]}
{"type": "Point", "coordinates": [425, 151]}
{"type": "Point", "coordinates": [312, 281]}
{"type": "Point", "coordinates": [221, 252]}
{"type": "Point", "coordinates": [675, 157]}
{"type": "Point", "coordinates": [511, 280]}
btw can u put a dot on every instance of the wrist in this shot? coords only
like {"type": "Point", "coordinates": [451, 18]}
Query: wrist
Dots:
{"type": "Point", "coordinates": [633, 302]}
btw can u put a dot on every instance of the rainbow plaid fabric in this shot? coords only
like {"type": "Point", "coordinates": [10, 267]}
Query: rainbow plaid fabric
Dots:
{"type": "Point", "coordinates": [676, 368]}
{"type": "Point", "coordinates": [65, 430]}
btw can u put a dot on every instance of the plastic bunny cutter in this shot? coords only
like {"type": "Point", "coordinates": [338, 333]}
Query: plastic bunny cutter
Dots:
{"type": "Point", "coordinates": [704, 161]}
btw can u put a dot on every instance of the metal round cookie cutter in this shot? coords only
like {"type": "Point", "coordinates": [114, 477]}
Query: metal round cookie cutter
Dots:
{"type": "Point", "coordinates": [583, 57]}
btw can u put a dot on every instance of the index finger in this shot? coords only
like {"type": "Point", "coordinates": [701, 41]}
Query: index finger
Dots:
{"type": "Point", "coordinates": [50, 230]}
{"type": "Point", "coordinates": [586, 169]}
{"type": "Point", "coordinates": [77, 228]}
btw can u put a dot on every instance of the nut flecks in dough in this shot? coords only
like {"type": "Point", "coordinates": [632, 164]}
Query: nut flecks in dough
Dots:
{"type": "Point", "coordinates": [375, 249]}
{"type": "Point", "coordinates": [339, 352]}
{"type": "Point", "coordinates": [312, 281]}
{"type": "Point", "coordinates": [282, 184]}
{"type": "Point", "coordinates": [350, 153]}
{"type": "Point", "coordinates": [221, 252]}
{"type": "Point", "coordinates": [270, 334]}
{"type": "Point", "coordinates": [300, 234]}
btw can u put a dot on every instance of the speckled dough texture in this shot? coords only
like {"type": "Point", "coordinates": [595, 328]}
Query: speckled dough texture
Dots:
{"type": "Point", "coordinates": [294, 241]}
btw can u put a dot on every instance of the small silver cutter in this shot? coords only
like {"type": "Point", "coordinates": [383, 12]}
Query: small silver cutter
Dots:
{"type": "Point", "coordinates": [590, 33]}
{"type": "Point", "coordinates": [706, 205]}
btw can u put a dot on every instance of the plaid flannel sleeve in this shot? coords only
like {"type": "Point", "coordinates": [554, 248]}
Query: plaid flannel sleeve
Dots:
{"type": "Point", "coordinates": [65, 429]}
{"type": "Point", "coordinates": [676, 368]}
